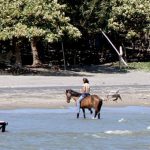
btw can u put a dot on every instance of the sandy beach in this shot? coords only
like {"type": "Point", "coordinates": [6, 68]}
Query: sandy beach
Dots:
{"type": "Point", "coordinates": [49, 91]}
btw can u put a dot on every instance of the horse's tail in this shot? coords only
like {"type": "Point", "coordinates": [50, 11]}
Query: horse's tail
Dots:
{"type": "Point", "coordinates": [99, 107]}
{"type": "Point", "coordinates": [100, 104]}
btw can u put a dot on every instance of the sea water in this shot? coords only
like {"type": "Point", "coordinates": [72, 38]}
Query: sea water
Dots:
{"type": "Point", "coordinates": [58, 129]}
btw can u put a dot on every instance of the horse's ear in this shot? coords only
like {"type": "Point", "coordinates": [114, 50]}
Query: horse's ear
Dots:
{"type": "Point", "coordinates": [67, 90]}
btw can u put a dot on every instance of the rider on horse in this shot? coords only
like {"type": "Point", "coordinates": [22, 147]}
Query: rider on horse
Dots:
{"type": "Point", "coordinates": [85, 90]}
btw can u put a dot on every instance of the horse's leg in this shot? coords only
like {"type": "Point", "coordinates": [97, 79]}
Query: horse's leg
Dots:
{"type": "Point", "coordinates": [83, 112]}
{"type": "Point", "coordinates": [90, 110]}
{"type": "Point", "coordinates": [98, 115]}
{"type": "Point", "coordinates": [95, 114]}
{"type": "Point", "coordinates": [77, 115]}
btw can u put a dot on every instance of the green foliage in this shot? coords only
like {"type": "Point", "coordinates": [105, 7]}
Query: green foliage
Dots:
{"type": "Point", "coordinates": [88, 15]}
{"type": "Point", "coordinates": [31, 18]}
{"type": "Point", "coordinates": [145, 66]}
{"type": "Point", "coordinates": [130, 18]}
{"type": "Point", "coordinates": [94, 14]}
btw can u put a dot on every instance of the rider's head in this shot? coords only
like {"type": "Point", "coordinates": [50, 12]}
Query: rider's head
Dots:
{"type": "Point", "coordinates": [85, 80]}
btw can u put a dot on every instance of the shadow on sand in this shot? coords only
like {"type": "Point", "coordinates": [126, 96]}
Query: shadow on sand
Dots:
{"type": "Point", "coordinates": [81, 70]}
{"type": "Point", "coordinates": [106, 68]}
{"type": "Point", "coordinates": [70, 71]}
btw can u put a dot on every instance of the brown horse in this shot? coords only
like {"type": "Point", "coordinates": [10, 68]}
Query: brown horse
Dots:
{"type": "Point", "coordinates": [89, 102]}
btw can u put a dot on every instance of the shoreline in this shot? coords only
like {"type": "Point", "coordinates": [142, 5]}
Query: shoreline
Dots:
{"type": "Point", "coordinates": [19, 92]}
{"type": "Point", "coordinates": [60, 105]}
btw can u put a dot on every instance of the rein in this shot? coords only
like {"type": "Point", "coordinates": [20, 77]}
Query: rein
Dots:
{"type": "Point", "coordinates": [74, 93]}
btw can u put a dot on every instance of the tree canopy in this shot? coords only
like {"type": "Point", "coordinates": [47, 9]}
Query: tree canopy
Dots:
{"type": "Point", "coordinates": [32, 18]}
{"type": "Point", "coordinates": [60, 20]}
{"type": "Point", "coordinates": [130, 18]}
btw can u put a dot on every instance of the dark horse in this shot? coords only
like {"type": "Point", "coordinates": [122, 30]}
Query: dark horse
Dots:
{"type": "Point", "coordinates": [89, 102]}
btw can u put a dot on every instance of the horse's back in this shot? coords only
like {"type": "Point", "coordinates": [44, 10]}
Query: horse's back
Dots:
{"type": "Point", "coordinates": [91, 100]}
{"type": "Point", "coordinates": [86, 102]}
{"type": "Point", "coordinates": [96, 98]}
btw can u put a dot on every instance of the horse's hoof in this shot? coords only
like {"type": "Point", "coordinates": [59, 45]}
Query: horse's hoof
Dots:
{"type": "Point", "coordinates": [77, 115]}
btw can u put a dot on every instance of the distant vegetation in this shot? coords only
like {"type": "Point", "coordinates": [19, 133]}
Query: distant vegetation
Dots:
{"type": "Point", "coordinates": [145, 66]}
{"type": "Point", "coordinates": [68, 32]}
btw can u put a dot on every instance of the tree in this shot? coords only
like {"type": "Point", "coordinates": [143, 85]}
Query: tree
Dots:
{"type": "Point", "coordinates": [129, 18]}
{"type": "Point", "coordinates": [35, 20]}
{"type": "Point", "coordinates": [88, 16]}
{"type": "Point", "coordinates": [9, 16]}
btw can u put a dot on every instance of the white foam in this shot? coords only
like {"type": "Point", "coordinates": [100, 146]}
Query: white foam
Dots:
{"type": "Point", "coordinates": [94, 118]}
{"type": "Point", "coordinates": [121, 120]}
{"type": "Point", "coordinates": [148, 128]}
{"type": "Point", "coordinates": [118, 132]}
{"type": "Point", "coordinates": [96, 136]}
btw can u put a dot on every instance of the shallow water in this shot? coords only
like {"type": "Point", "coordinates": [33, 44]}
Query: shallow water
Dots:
{"type": "Point", "coordinates": [58, 129]}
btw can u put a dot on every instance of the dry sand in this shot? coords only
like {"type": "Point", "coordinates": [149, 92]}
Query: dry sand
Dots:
{"type": "Point", "coordinates": [134, 88]}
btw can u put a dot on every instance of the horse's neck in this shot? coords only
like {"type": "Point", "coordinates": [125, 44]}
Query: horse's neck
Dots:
{"type": "Point", "coordinates": [75, 95]}
{"type": "Point", "coordinates": [75, 98]}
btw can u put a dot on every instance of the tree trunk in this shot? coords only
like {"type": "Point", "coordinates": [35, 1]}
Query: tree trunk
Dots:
{"type": "Point", "coordinates": [18, 55]}
{"type": "Point", "coordinates": [36, 60]}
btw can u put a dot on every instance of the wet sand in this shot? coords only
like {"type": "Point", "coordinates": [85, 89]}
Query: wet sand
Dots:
{"type": "Point", "coordinates": [49, 91]}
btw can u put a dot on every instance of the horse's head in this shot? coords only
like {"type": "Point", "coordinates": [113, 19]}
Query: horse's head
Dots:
{"type": "Point", "coordinates": [71, 94]}
{"type": "Point", "coordinates": [68, 95]}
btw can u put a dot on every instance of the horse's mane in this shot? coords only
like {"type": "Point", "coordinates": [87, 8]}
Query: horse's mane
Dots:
{"type": "Point", "coordinates": [73, 93]}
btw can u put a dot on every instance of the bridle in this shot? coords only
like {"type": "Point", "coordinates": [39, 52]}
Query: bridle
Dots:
{"type": "Point", "coordinates": [71, 94]}
{"type": "Point", "coordinates": [68, 95]}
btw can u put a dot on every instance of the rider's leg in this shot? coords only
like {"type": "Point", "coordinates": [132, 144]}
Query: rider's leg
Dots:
{"type": "Point", "coordinates": [78, 105]}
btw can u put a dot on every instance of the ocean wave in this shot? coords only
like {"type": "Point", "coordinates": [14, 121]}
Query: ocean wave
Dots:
{"type": "Point", "coordinates": [118, 132]}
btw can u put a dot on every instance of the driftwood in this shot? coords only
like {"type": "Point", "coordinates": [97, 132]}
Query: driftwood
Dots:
{"type": "Point", "coordinates": [119, 53]}
{"type": "Point", "coordinates": [3, 125]}
{"type": "Point", "coordinates": [114, 96]}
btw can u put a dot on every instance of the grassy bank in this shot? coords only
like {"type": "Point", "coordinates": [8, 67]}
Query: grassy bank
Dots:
{"type": "Point", "coordinates": [144, 66]}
